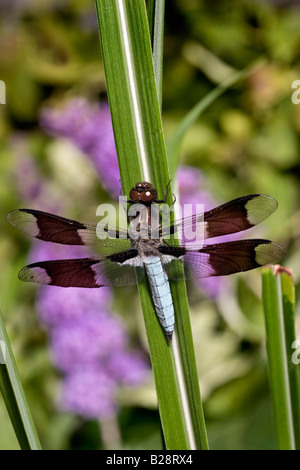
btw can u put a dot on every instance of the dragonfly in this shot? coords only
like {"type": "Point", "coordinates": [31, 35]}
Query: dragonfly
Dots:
{"type": "Point", "coordinates": [155, 256]}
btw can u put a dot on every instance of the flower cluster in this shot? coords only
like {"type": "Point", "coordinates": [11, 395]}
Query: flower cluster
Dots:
{"type": "Point", "coordinates": [190, 182]}
{"type": "Point", "coordinates": [90, 128]}
{"type": "Point", "coordinates": [88, 342]}
{"type": "Point", "coordinates": [34, 189]}
{"type": "Point", "coordinates": [89, 346]}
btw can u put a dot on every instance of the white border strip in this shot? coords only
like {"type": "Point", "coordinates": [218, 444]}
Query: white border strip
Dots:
{"type": "Point", "coordinates": [183, 393]}
{"type": "Point", "coordinates": [131, 76]}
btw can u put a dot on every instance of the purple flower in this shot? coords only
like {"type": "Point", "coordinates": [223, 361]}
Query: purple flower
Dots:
{"type": "Point", "coordinates": [90, 338]}
{"type": "Point", "coordinates": [58, 304]}
{"type": "Point", "coordinates": [128, 367]}
{"type": "Point", "coordinates": [42, 250]}
{"type": "Point", "coordinates": [86, 338]}
{"type": "Point", "coordinates": [31, 184]}
{"type": "Point", "coordinates": [90, 392]}
{"type": "Point", "coordinates": [90, 128]}
{"type": "Point", "coordinates": [14, 6]}
{"type": "Point", "coordinates": [189, 182]}
{"type": "Point", "coordinates": [89, 345]}
{"type": "Point", "coordinates": [28, 179]}
{"type": "Point", "coordinates": [14, 9]}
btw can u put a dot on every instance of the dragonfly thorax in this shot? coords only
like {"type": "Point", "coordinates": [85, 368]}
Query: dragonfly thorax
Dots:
{"type": "Point", "coordinates": [147, 247]}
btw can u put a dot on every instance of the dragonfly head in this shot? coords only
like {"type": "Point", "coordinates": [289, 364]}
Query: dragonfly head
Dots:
{"type": "Point", "coordinates": [143, 193]}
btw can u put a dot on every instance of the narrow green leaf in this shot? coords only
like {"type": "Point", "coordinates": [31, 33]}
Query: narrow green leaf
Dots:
{"type": "Point", "coordinates": [279, 333]}
{"type": "Point", "coordinates": [14, 397]}
{"type": "Point", "coordinates": [156, 15]}
{"type": "Point", "coordinates": [175, 141]}
{"type": "Point", "coordinates": [134, 104]}
{"type": "Point", "coordinates": [288, 301]}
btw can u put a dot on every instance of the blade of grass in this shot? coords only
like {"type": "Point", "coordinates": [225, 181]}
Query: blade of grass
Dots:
{"type": "Point", "coordinates": [14, 397]}
{"type": "Point", "coordinates": [279, 332]}
{"type": "Point", "coordinates": [288, 301]}
{"type": "Point", "coordinates": [134, 104]}
{"type": "Point", "coordinates": [175, 141]}
{"type": "Point", "coordinates": [182, 352]}
{"type": "Point", "coordinates": [156, 15]}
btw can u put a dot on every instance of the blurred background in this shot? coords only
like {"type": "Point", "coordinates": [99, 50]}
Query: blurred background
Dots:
{"type": "Point", "coordinates": [83, 357]}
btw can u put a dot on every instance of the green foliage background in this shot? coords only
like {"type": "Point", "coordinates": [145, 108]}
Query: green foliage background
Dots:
{"type": "Point", "coordinates": [246, 142]}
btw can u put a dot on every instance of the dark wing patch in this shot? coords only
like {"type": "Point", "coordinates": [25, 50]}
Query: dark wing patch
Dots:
{"type": "Point", "coordinates": [86, 272]}
{"type": "Point", "coordinates": [232, 217]}
{"type": "Point", "coordinates": [56, 229]}
{"type": "Point", "coordinates": [223, 259]}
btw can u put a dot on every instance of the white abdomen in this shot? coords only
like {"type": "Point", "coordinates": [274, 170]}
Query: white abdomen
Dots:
{"type": "Point", "coordinates": [161, 293]}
